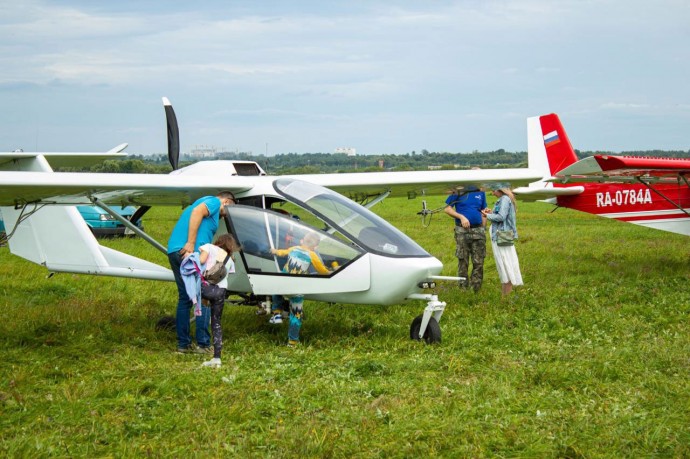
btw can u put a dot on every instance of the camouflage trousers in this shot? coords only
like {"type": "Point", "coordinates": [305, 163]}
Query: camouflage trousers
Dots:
{"type": "Point", "coordinates": [470, 246]}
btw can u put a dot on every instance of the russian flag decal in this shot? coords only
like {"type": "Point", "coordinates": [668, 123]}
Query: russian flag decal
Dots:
{"type": "Point", "coordinates": [551, 139]}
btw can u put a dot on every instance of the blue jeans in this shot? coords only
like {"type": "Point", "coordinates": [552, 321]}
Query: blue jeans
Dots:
{"type": "Point", "coordinates": [184, 306]}
{"type": "Point", "coordinates": [278, 304]}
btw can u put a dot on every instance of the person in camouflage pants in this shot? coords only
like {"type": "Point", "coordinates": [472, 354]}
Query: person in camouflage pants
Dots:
{"type": "Point", "coordinates": [470, 246]}
{"type": "Point", "coordinates": [465, 206]}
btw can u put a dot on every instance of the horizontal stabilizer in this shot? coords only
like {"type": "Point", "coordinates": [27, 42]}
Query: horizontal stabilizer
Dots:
{"type": "Point", "coordinates": [57, 159]}
{"type": "Point", "coordinates": [543, 193]}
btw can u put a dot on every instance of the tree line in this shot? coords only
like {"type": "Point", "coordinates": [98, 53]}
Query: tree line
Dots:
{"type": "Point", "coordinates": [313, 163]}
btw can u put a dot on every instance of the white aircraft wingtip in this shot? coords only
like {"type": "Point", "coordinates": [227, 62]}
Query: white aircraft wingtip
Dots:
{"type": "Point", "coordinates": [119, 148]}
{"type": "Point", "coordinates": [166, 101]}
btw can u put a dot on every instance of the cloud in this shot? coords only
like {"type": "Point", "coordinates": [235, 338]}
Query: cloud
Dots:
{"type": "Point", "coordinates": [623, 106]}
{"type": "Point", "coordinates": [402, 67]}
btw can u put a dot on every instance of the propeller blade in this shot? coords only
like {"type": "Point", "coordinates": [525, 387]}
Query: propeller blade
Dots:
{"type": "Point", "coordinates": [173, 134]}
{"type": "Point", "coordinates": [138, 214]}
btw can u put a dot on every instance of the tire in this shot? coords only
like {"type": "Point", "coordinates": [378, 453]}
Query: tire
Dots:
{"type": "Point", "coordinates": [432, 334]}
{"type": "Point", "coordinates": [166, 323]}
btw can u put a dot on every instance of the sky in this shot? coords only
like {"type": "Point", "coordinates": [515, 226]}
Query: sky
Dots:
{"type": "Point", "coordinates": [380, 76]}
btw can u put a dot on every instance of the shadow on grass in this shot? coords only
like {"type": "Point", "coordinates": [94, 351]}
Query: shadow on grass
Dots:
{"type": "Point", "coordinates": [322, 323]}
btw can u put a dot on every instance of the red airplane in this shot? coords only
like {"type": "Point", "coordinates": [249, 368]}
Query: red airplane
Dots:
{"type": "Point", "coordinates": [651, 192]}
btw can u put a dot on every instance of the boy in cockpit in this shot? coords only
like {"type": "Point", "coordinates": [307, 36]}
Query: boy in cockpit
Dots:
{"type": "Point", "coordinates": [300, 258]}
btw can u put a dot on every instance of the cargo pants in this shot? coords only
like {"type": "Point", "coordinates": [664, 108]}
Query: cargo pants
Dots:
{"type": "Point", "coordinates": [470, 246]}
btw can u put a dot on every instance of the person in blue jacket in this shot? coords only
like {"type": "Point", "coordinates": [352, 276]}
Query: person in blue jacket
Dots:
{"type": "Point", "coordinates": [195, 227]}
{"type": "Point", "coordinates": [503, 217]}
{"type": "Point", "coordinates": [465, 205]}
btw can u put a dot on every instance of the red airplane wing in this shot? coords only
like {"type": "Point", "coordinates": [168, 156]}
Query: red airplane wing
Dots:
{"type": "Point", "coordinates": [626, 168]}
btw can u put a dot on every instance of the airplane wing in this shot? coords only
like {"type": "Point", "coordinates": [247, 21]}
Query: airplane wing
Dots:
{"type": "Point", "coordinates": [625, 169]}
{"type": "Point", "coordinates": [69, 188]}
{"type": "Point", "coordinates": [56, 237]}
{"type": "Point", "coordinates": [18, 182]}
{"type": "Point", "coordinates": [417, 183]}
{"type": "Point", "coordinates": [118, 189]}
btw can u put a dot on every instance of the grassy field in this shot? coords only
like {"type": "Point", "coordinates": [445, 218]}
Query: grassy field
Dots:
{"type": "Point", "coordinates": [591, 359]}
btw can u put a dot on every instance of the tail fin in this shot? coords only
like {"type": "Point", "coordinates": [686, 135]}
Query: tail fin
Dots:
{"type": "Point", "coordinates": [59, 239]}
{"type": "Point", "coordinates": [548, 151]}
{"type": "Point", "coordinates": [548, 146]}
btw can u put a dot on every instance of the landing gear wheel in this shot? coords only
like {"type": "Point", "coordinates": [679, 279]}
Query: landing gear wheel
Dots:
{"type": "Point", "coordinates": [168, 323]}
{"type": "Point", "coordinates": [432, 334]}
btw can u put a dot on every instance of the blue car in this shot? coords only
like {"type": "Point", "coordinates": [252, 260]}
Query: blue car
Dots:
{"type": "Point", "coordinates": [102, 223]}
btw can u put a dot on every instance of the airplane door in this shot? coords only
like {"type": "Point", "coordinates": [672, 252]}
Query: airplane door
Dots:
{"type": "Point", "coordinates": [238, 281]}
{"type": "Point", "coordinates": [258, 231]}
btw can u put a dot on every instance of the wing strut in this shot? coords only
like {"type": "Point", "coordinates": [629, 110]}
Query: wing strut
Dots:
{"type": "Point", "coordinates": [664, 196]}
{"type": "Point", "coordinates": [378, 199]}
{"type": "Point", "coordinates": [130, 225]}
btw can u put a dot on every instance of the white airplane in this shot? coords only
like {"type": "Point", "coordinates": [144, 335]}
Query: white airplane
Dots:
{"type": "Point", "coordinates": [378, 264]}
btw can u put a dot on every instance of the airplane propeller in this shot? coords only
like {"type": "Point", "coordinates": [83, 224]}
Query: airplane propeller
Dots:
{"type": "Point", "coordinates": [173, 134]}
{"type": "Point", "coordinates": [173, 149]}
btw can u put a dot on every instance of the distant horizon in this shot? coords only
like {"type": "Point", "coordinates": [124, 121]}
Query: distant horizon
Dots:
{"type": "Point", "coordinates": [417, 152]}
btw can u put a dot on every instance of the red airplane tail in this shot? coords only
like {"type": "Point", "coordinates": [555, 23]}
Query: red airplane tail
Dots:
{"type": "Point", "coordinates": [549, 148]}
{"type": "Point", "coordinates": [660, 205]}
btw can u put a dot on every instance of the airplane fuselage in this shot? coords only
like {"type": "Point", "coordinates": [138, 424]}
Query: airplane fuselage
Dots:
{"type": "Point", "coordinates": [665, 207]}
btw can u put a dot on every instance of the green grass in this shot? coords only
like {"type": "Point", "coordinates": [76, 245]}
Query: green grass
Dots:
{"type": "Point", "coordinates": [590, 360]}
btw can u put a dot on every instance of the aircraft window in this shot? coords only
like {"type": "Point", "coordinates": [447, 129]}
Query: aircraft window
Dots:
{"type": "Point", "coordinates": [368, 229]}
{"type": "Point", "coordinates": [254, 201]}
{"type": "Point", "coordinates": [246, 169]}
{"type": "Point", "coordinates": [259, 231]}
{"type": "Point", "coordinates": [299, 213]}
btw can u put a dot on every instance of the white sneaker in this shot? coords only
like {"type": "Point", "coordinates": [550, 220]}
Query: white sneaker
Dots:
{"type": "Point", "coordinates": [276, 319]}
{"type": "Point", "coordinates": [213, 363]}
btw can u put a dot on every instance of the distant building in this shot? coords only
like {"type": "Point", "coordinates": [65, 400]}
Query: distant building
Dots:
{"type": "Point", "coordinates": [349, 151]}
{"type": "Point", "coordinates": [203, 152]}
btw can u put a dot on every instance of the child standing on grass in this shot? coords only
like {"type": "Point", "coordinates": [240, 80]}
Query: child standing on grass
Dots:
{"type": "Point", "coordinates": [299, 259]}
{"type": "Point", "coordinates": [223, 247]}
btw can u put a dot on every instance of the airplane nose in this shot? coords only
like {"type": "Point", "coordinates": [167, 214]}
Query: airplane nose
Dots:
{"type": "Point", "coordinates": [394, 279]}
